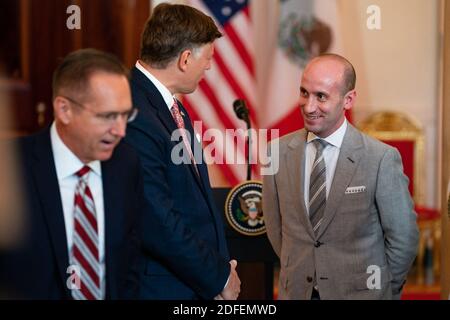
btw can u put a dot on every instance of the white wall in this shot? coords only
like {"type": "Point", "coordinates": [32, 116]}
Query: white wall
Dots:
{"type": "Point", "coordinates": [398, 67]}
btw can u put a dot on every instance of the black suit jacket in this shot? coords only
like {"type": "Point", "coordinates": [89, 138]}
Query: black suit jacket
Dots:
{"type": "Point", "coordinates": [185, 255]}
{"type": "Point", "coordinates": [36, 268]}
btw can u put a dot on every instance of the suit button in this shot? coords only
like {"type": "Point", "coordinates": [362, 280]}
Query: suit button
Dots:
{"type": "Point", "coordinates": [309, 279]}
{"type": "Point", "coordinates": [318, 244]}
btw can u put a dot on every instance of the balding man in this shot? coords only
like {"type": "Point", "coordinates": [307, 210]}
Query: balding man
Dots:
{"type": "Point", "coordinates": [338, 211]}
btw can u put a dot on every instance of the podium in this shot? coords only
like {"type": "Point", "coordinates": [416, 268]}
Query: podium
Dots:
{"type": "Point", "coordinates": [255, 256]}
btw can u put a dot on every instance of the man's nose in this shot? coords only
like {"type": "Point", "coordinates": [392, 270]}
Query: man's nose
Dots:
{"type": "Point", "coordinates": [120, 126]}
{"type": "Point", "coordinates": [308, 105]}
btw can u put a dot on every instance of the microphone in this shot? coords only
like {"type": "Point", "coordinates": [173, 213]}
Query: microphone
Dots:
{"type": "Point", "coordinates": [241, 110]}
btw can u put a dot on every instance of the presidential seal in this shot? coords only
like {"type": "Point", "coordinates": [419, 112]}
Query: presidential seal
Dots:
{"type": "Point", "coordinates": [243, 208]}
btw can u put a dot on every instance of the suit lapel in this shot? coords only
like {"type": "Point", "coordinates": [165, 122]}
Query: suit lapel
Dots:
{"type": "Point", "coordinates": [195, 145]}
{"type": "Point", "coordinates": [155, 100]}
{"type": "Point", "coordinates": [295, 162]}
{"type": "Point", "coordinates": [349, 157]}
{"type": "Point", "coordinates": [167, 120]}
{"type": "Point", "coordinates": [46, 181]}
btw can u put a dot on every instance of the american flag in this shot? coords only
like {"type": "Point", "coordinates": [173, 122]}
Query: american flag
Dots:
{"type": "Point", "coordinates": [231, 77]}
{"type": "Point", "coordinates": [272, 92]}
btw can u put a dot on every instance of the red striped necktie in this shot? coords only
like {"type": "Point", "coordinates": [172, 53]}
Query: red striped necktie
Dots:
{"type": "Point", "coordinates": [85, 249]}
{"type": "Point", "coordinates": [176, 114]}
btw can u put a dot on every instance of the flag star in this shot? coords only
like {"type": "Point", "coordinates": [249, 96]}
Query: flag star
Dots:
{"type": "Point", "coordinates": [226, 11]}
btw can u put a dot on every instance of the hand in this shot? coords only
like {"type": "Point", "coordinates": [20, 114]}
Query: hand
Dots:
{"type": "Point", "coordinates": [233, 287]}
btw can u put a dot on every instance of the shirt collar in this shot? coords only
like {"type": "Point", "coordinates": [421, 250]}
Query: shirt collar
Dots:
{"type": "Point", "coordinates": [335, 138]}
{"type": "Point", "coordinates": [66, 162]}
{"type": "Point", "coordinates": [167, 96]}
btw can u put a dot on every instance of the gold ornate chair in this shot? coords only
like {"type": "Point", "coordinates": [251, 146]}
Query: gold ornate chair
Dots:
{"type": "Point", "coordinates": [401, 131]}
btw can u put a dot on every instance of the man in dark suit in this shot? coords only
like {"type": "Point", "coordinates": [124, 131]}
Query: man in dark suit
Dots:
{"type": "Point", "coordinates": [82, 188]}
{"type": "Point", "coordinates": [183, 243]}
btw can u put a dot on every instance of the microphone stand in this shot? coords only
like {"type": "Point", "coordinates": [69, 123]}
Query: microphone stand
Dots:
{"type": "Point", "coordinates": [248, 143]}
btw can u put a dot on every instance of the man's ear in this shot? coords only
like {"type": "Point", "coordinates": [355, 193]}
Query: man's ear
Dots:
{"type": "Point", "coordinates": [349, 99]}
{"type": "Point", "coordinates": [62, 109]}
{"type": "Point", "coordinates": [183, 60]}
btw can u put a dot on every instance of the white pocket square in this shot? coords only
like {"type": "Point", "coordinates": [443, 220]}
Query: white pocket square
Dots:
{"type": "Point", "coordinates": [358, 189]}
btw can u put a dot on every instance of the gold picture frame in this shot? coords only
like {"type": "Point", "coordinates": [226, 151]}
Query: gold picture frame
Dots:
{"type": "Point", "coordinates": [395, 126]}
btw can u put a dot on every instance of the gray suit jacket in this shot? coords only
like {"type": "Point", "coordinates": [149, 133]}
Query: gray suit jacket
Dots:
{"type": "Point", "coordinates": [367, 240]}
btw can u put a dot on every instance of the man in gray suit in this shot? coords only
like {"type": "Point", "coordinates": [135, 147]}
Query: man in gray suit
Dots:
{"type": "Point", "coordinates": [338, 212]}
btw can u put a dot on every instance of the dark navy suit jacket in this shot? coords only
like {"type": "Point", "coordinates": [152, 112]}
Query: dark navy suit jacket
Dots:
{"type": "Point", "coordinates": [36, 267]}
{"type": "Point", "coordinates": [185, 255]}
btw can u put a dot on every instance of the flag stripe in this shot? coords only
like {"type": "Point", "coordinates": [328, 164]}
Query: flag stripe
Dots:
{"type": "Point", "coordinates": [228, 170]}
{"type": "Point", "coordinates": [212, 121]}
{"type": "Point", "coordinates": [243, 28]}
{"type": "Point", "coordinates": [224, 93]}
{"type": "Point", "coordinates": [246, 11]}
{"type": "Point", "coordinates": [236, 66]}
{"type": "Point", "coordinates": [240, 94]}
{"type": "Point", "coordinates": [231, 77]}
{"type": "Point", "coordinates": [225, 120]}
{"type": "Point", "coordinates": [214, 102]}
{"type": "Point", "coordinates": [241, 49]}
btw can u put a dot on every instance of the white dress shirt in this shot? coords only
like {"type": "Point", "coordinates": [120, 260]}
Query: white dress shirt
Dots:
{"type": "Point", "coordinates": [330, 155]}
{"type": "Point", "coordinates": [67, 164]}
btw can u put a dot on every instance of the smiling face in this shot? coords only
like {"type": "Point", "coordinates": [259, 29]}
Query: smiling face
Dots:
{"type": "Point", "coordinates": [322, 100]}
{"type": "Point", "coordinates": [87, 131]}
